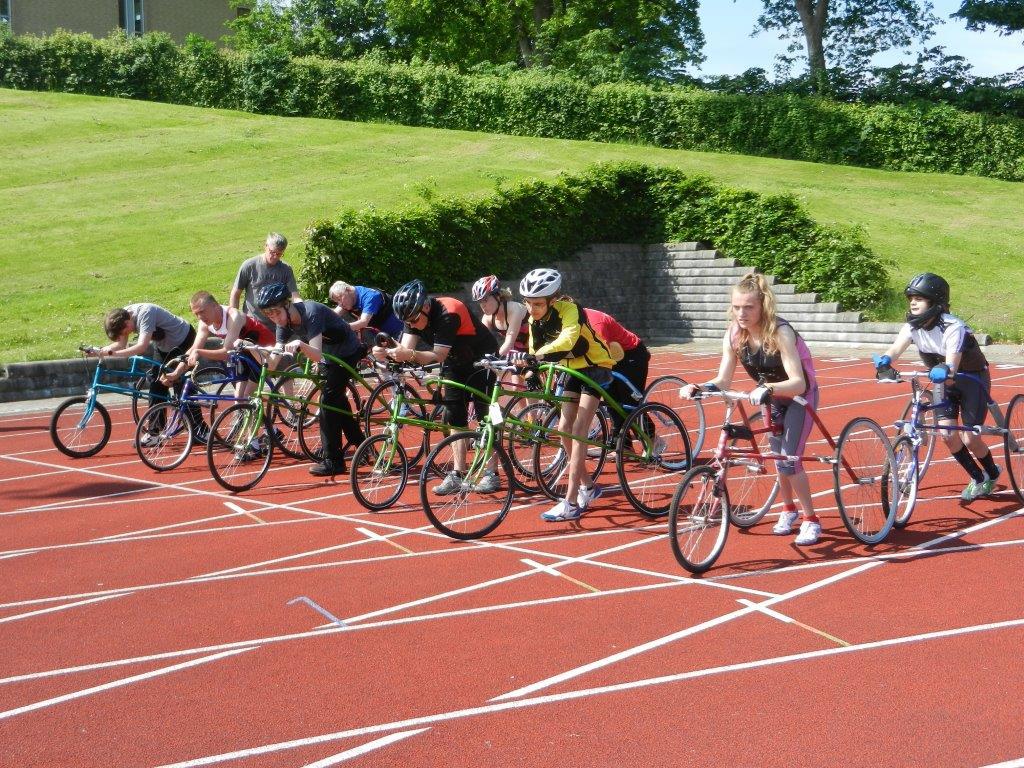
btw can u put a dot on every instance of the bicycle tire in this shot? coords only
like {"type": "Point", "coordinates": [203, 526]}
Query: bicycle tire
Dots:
{"type": "Point", "coordinates": [929, 437]}
{"type": "Point", "coordinates": [753, 486]}
{"type": "Point", "coordinates": [519, 444]}
{"type": "Point", "coordinates": [163, 436]}
{"type": "Point", "coordinates": [74, 438]}
{"type": "Point", "coordinates": [467, 513]}
{"type": "Point", "coordinates": [142, 398]}
{"type": "Point", "coordinates": [549, 460]}
{"type": "Point", "coordinates": [291, 416]}
{"type": "Point", "coordinates": [698, 519]}
{"type": "Point", "coordinates": [379, 472]}
{"type": "Point", "coordinates": [239, 450]}
{"type": "Point", "coordinates": [665, 389]}
{"type": "Point", "coordinates": [863, 452]}
{"type": "Point", "coordinates": [1013, 444]}
{"type": "Point", "coordinates": [652, 453]}
{"type": "Point", "coordinates": [377, 415]}
{"type": "Point", "coordinates": [903, 451]}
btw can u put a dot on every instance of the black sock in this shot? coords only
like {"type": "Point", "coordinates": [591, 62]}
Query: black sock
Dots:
{"type": "Point", "coordinates": [989, 466]}
{"type": "Point", "coordinates": [965, 460]}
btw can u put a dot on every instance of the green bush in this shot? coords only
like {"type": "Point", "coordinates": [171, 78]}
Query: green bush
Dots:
{"type": "Point", "coordinates": [917, 137]}
{"type": "Point", "coordinates": [450, 241]}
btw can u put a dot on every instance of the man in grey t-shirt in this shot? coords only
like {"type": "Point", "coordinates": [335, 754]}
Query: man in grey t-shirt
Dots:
{"type": "Point", "coordinates": [263, 270]}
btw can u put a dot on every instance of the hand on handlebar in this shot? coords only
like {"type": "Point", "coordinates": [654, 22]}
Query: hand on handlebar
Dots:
{"type": "Point", "coordinates": [521, 359]}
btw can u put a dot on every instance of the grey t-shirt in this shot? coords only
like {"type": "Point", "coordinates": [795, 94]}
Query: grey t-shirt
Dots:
{"type": "Point", "coordinates": [168, 330]}
{"type": "Point", "coordinates": [316, 319]}
{"type": "Point", "coordinates": [254, 274]}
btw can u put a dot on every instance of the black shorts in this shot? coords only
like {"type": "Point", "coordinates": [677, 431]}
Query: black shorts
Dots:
{"type": "Point", "coordinates": [601, 376]}
{"type": "Point", "coordinates": [967, 399]}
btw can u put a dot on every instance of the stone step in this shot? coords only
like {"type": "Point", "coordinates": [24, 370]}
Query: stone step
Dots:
{"type": "Point", "coordinates": [798, 319]}
{"type": "Point", "coordinates": [699, 300]}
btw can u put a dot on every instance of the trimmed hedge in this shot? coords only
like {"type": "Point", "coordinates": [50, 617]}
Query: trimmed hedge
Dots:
{"type": "Point", "coordinates": [926, 137]}
{"type": "Point", "coordinates": [451, 241]}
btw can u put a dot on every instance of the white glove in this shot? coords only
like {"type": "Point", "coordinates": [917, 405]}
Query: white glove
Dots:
{"type": "Point", "coordinates": [760, 395]}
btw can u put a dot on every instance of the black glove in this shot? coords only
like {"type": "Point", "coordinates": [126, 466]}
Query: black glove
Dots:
{"type": "Point", "coordinates": [887, 373]}
{"type": "Point", "coordinates": [518, 356]}
{"type": "Point", "coordinates": [760, 395]}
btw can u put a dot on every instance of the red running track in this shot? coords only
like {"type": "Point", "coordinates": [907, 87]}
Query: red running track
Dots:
{"type": "Point", "coordinates": [153, 620]}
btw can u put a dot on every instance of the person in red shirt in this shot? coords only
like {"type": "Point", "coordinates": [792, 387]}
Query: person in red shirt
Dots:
{"type": "Point", "coordinates": [635, 361]}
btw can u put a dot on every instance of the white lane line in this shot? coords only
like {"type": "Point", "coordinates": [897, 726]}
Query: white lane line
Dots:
{"type": "Point", "coordinates": [144, 531]}
{"type": "Point", "coordinates": [733, 615]}
{"type": "Point", "coordinates": [364, 749]}
{"type": "Point", "coordinates": [1018, 763]}
{"type": "Point", "coordinates": [554, 698]}
{"type": "Point", "coordinates": [56, 608]}
{"type": "Point", "coordinates": [243, 511]}
{"type": "Point", "coordinates": [790, 620]}
{"type": "Point", "coordinates": [555, 572]}
{"type": "Point", "coordinates": [331, 629]}
{"type": "Point", "coordinates": [118, 683]}
{"type": "Point", "coordinates": [386, 539]}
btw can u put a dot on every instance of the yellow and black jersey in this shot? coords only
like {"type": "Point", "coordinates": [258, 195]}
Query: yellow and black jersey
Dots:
{"type": "Point", "coordinates": [563, 335]}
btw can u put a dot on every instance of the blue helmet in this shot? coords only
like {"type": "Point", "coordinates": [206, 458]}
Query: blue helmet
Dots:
{"type": "Point", "coordinates": [272, 295]}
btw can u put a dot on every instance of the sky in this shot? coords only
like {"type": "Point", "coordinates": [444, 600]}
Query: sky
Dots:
{"type": "Point", "coordinates": [730, 50]}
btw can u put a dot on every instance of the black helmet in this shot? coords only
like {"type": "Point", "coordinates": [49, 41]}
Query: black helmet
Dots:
{"type": "Point", "coordinates": [408, 299]}
{"type": "Point", "coordinates": [271, 295]}
{"type": "Point", "coordinates": [931, 286]}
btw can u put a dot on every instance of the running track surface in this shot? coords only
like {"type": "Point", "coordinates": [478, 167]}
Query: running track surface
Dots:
{"type": "Point", "coordinates": [150, 620]}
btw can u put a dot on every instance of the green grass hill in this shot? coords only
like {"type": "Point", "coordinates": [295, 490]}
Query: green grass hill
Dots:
{"type": "Point", "coordinates": [105, 202]}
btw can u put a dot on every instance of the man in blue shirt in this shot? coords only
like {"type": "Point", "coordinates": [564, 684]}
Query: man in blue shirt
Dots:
{"type": "Point", "coordinates": [372, 305]}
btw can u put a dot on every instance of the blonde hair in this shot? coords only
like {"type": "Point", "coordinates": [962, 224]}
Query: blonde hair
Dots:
{"type": "Point", "coordinates": [757, 285]}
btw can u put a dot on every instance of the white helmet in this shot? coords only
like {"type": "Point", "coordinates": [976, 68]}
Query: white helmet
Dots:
{"type": "Point", "coordinates": [540, 283]}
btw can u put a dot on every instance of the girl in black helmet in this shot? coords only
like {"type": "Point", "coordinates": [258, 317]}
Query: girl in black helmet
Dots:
{"type": "Point", "coordinates": [947, 345]}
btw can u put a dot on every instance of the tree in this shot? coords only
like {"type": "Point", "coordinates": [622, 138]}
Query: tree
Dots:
{"type": "Point", "coordinates": [336, 29]}
{"type": "Point", "coordinates": [851, 31]}
{"type": "Point", "coordinates": [593, 39]}
{"type": "Point", "coordinates": [1006, 15]}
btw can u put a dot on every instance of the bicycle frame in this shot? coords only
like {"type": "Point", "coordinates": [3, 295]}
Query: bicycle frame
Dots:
{"type": "Point", "coordinates": [134, 371]}
{"type": "Point", "coordinates": [915, 427]}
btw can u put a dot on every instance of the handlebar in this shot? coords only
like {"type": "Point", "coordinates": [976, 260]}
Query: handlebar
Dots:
{"type": "Point", "coordinates": [264, 352]}
{"type": "Point", "coordinates": [87, 349]}
{"type": "Point", "coordinates": [495, 363]}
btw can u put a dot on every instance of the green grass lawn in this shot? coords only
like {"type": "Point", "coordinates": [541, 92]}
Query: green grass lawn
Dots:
{"type": "Point", "coordinates": [105, 202]}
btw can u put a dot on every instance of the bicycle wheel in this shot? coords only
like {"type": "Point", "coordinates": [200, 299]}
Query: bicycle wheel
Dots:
{"type": "Point", "coordinates": [929, 436]}
{"type": "Point", "coordinates": [520, 440]}
{"type": "Point", "coordinates": [1013, 444]}
{"type": "Point", "coordinates": [210, 378]}
{"type": "Point", "coordinates": [550, 462]}
{"type": "Point", "coordinates": [163, 437]}
{"type": "Point", "coordinates": [473, 509]}
{"type": "Point", "coordinates": [864, 462]}
{"type": "Point", "coordinates": [377, 416]}
{"type": "Point", "coordinates": [142, 398]}
{"type": "Point", "coordinates": [753, 483]}
{"type": "Point", "coordinates": [379, 472]}
{"type": "Point", "coordinates": [79, 428]}
{"type": "Point", "coordinates": [652, 453]}
{"type": "Point", "coordinates": [665, 389]}
{"type": "Point", "coordinates": [698, 519]}
{"type": "Point", "coordinates": [292, 415]}
{"type": "Point", "coordinates": [907, 475]}
{"type": "Point", "coordinates": [239, 450]}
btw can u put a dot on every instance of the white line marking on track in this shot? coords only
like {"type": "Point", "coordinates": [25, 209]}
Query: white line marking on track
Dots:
{"type": "Point", "coordinates": [56, 608]}
{"type": "Point", "coordinates": [386, 539]}
{"type": "Point", "coordinates": [689, 631]}
{"type": "Point", "coordinates": [1018, 763]}
{"type": "Point", "coordinates": [555, 572]}
{"type": "Point", "coordinates": [588, 692]}
{"type": "Point", "coordinates": [118, 683]}
{"type": "Point", "coordinates": [364, 749]}
{"type": "Point", "coordinates": [790, 620]}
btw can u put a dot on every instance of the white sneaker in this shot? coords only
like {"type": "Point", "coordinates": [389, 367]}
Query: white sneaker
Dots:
{"type": "Point", "coordinates": [150, 440]}
{"type": "Point", "coordinates": [489, 482]}
{"type": "Point", "coordinates": [586, 495]}
{"type": "Point", "coordinates": [786, 522]}
{"type": "Point", "coordinates": [809, 534]}
{"type": "Point", "coordinates": [452, 483]}
{"type": "Point", "coordinates": [563, 510]}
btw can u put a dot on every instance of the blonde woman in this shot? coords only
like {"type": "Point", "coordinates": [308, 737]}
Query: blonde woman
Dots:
{"type": "Point", "coordinates": [774, 356]}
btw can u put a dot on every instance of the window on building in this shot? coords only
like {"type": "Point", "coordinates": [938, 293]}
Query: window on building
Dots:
{"type": "Point", "coordinates": [5, 12]}
{"type": "Point", "coordinates": [129, 16]}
